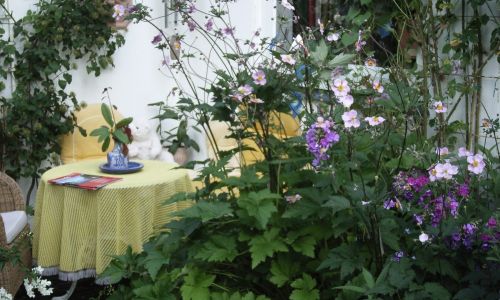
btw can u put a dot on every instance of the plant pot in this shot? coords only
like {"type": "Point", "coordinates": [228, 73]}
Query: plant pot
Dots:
{"type": "Point", "coordinates": [116, 159]}
{"type": "Point", "coordinates": [181, 156]}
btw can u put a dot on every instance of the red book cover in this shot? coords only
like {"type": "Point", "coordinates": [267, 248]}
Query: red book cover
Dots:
{"type": "Point", "coordinates": [84, 181]}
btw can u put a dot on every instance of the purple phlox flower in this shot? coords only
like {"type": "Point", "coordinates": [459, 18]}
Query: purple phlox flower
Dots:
{"type": "Point", "coordinates": [209, 25]}
{"type": "Point", "coordinates": [438, 211]}
{"type": "Point", "coordinates": [228, 31]}
{"type": "Point", "coordinates": [157, 39]}
{"type": "Point", "coordinates": [418, 219]}
{"type": "Point", "coordinates": [389, 203]}
{"type": "Point", "coordinates": [191, 25]}
{"type": "Point", "coordinates": [453, 205]}
{"type": "Point", "coordinates": [417, 183]}
{"type": "Point", "coordinates": [398, 255]}
{"type": "Point", "coordinates": [259, 77]}
{"type": "Point", "coordinates": [486, 239]}
{"type": "Point", "coordinates": [492, 222]}
{"type": "Point", "coordinates": [469, 229]}
{"type": "Point", "coordinates": [463, 190]}
{"type": "Point", "coordinates": [320, 138]}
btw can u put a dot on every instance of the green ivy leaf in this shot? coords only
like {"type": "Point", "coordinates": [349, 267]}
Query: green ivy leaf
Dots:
{"type": "Point", "coordinates": [304, 289]}
{"type": "Point", "coordinates": [266, 245]}
{"type": "Point", "coordinates": [259, 205]}
{"type": "Point", "coordinates": [196, 285]}
{"type": "Point", "coordinates": [219, 248]}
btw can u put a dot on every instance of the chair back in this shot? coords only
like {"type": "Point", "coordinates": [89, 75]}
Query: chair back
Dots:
{"type": "Point", "coordinates": [76, 147]}
{"type": "Point", "coordinates": [11, 197]}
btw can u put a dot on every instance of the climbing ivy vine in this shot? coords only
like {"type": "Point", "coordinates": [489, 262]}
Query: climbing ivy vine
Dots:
{"type": "Point", "coordinates": [39, 56]}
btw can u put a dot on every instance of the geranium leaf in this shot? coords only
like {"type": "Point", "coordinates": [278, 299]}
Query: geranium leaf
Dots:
{"type": "Point", "coordinates": [304, 289]}
{"type": "Point", "coordinates": [266, 245]}
{"type": "Point", "coordinates": [196, 285]}
{"type": "Point", "coordinates": [259, 205]}
{"type": "Point", "coordinates": [219, 248]}
{"type": "Point", "coordinates": [305, 245]}
{"type": "Point", "coordinates": [282, 271]}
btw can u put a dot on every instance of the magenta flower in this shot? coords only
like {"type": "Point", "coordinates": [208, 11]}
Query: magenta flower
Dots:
{"type": "Point", "coordinates": [157, 39]}
{"type": "Point", "coordinates": [209, 25]}
{"type": "Point", "coordinates": [228, 31]}
{"type": "Point", "coordinates": [492, 223]}
{"type": "Point", "coordinates": [259, 77]}
{"type": "Point", "coordinates": [191, 25]}
{"type": "Point", "coordinates": [350, 119]}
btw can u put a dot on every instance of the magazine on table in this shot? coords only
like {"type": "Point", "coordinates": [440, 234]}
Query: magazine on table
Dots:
{"type": "Point", "coordinates": [84, 181]}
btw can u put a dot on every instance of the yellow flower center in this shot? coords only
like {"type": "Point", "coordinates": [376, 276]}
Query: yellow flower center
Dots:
{"type": "Point", "coordinates": [475, 163]}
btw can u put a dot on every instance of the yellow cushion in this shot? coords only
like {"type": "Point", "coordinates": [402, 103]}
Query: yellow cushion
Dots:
{"type": "Point", "coordinates": [76, 147]}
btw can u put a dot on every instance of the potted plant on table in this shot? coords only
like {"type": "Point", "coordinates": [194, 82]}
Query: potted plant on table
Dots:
{"type": "Point", "coordinates": [180, 141]}
{"type": "Point", "coordinates": [119, 132]}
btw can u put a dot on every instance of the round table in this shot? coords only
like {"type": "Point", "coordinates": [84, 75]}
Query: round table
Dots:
{"type": "Point", "coordinates": [77, 231]}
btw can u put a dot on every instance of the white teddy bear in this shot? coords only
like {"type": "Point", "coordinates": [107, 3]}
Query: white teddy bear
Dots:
{"type": "Point", "coordinates": [146, 143]}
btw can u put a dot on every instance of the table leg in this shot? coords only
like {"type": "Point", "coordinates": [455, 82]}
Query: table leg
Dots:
{"type": "Point", "coordinates": [68, 293]}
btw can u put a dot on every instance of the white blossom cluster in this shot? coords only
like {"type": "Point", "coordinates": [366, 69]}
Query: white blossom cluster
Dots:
{"type": "Point", "coordinates": [42, 285]}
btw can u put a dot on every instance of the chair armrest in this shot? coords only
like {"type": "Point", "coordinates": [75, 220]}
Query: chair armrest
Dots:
{"type": "Point", "coordinates": [11, 196]}
{"type": "Point", "coordinates": [3, 237]}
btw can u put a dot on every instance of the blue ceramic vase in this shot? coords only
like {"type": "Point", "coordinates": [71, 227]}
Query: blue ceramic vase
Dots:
{"type": "Point", "coordinates": [116, 159]}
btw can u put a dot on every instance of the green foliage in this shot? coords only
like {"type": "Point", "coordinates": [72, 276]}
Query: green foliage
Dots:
{"type": "Point", "coordinates": [39, 110]}
{"type": "Point", "coordinates": [346, 227]}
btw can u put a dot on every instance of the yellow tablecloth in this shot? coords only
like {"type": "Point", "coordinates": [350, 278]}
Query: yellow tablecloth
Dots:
{"type": "Point", "coordinates": [76, 231]}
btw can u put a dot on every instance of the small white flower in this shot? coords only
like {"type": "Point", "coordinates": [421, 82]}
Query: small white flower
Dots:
{"type": "Point", "coordinates": [365, 202]}
{"type": "Point", "coordinates": [4, 295]}
{"type": "Point", "coordinates": [340, 87]}
{"type": "Point", "coordinates": [293, 198]}
{"type": "Point", "coordinates": [442, 151]}
{"type": "Point", "coordinates": [476, 164]}
{"type": "Point", "coordinates": [439, 107]}
{"type": "Point", "coordinates": [423, 237]}
{"type": "Point", "coordinates": [463, 152]}
{"type": "Point", "coordinates": [287, 58]}
{"type": "Point", "coordinates": [333, 37]}
{"type": "Point", "coordinates": [350, 119]}
{"type": "Point", "coordinates": [346, 100]}
{"type": "Point", "coordinates": [374, 121]}
{"type": "Point", "coordinates": [287, 5]}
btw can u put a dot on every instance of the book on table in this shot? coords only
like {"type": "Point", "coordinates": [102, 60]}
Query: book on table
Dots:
{"type": "Point", "coordinates": [84, 181]}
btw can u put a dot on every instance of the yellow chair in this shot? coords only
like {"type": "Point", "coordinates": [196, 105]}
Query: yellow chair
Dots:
{"type": "Point", "coordinates": [76, 147]}
{"type": "Point", "coordinates": [282, 126]}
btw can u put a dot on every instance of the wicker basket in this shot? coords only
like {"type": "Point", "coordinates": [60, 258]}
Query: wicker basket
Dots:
{"type": "Point", "coordinates": [11, 199]}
